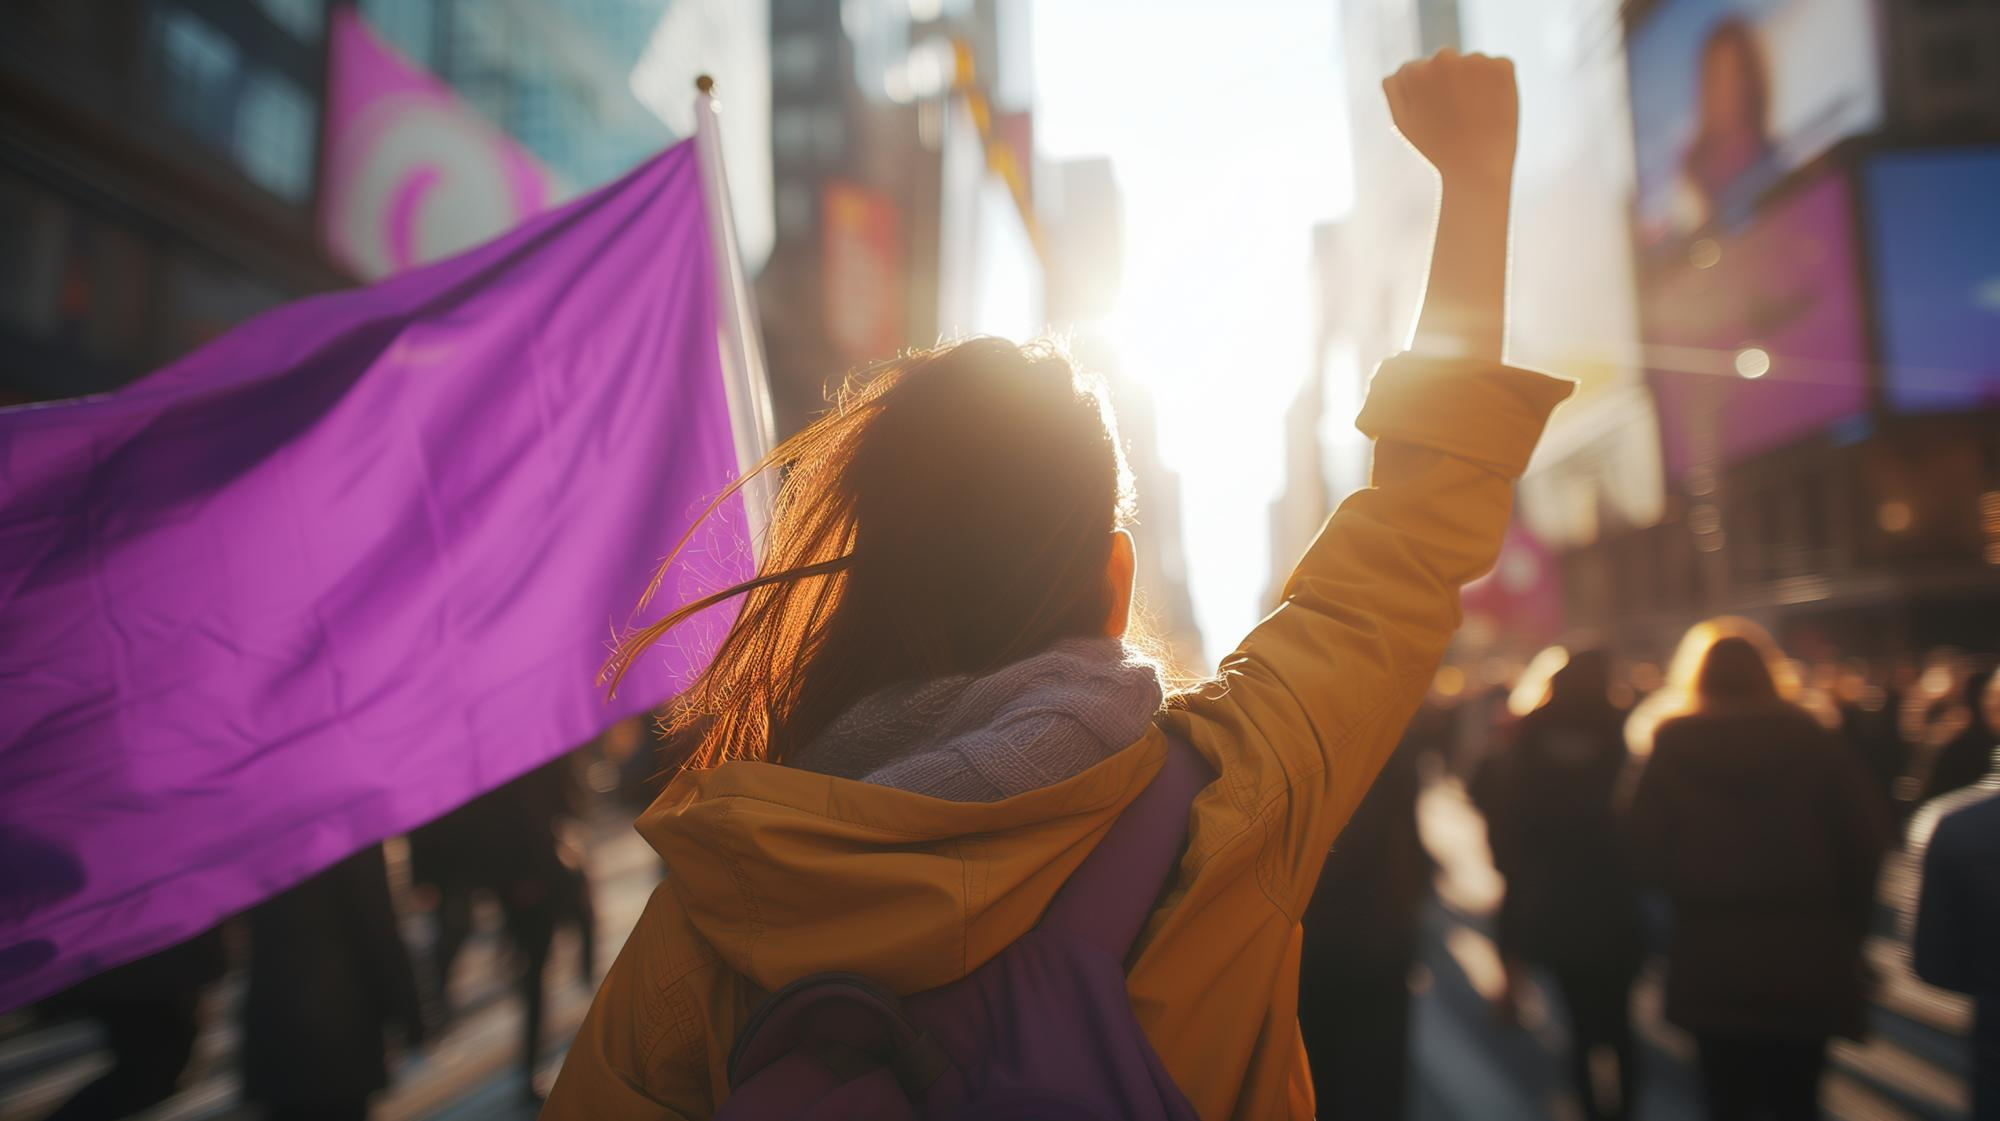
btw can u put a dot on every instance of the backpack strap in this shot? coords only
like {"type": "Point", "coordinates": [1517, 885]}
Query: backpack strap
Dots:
{"type": "Point", "coordinates": [1107, 899]}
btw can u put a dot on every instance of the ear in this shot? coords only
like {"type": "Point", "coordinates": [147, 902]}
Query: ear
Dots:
{"type": "Point", "coordinates": [1120, 569]}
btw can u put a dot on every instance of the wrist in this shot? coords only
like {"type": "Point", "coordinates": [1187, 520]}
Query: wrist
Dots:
{"type": "Point", "coordinates": [1496, 184]}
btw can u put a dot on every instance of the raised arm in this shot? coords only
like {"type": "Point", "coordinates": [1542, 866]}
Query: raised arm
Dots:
{"type": "Point", "coordinates": [1462, 113]}
{"type": "Point", "coordinates": [1311, 703]}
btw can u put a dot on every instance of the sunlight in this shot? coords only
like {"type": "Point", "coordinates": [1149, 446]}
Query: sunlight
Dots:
{"type": "Point", "coordinates": [1229, 139]}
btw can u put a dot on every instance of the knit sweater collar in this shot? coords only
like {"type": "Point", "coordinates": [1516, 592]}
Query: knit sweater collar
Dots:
{"type": "Point", "coordinates": [982, 738]}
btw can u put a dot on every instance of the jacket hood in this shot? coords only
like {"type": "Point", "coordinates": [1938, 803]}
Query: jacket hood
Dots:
{"type": "Point", "coordinates": [786, 872]}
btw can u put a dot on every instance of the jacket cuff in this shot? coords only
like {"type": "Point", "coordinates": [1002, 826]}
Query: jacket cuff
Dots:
{"type": "Point", "coordinates": [1472, 409]}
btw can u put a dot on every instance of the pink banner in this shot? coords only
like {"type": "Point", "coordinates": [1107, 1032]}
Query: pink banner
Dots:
{"type": "Point", "coordinates": [412, 173]}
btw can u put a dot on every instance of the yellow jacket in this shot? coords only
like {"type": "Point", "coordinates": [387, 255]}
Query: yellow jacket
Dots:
{"type": "Point", "coordinates": [774, 873]}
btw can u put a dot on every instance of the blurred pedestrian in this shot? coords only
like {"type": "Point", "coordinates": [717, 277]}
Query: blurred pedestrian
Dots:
{"type": "Point", "coordinates": [1868, 703]}
{"type": "Point", "coordinates": [926, 714]}
{"type": "Point", "coordinates": [514, 845]}
{"type": "Point", "coordinates": [1570, 904]}
{"type": "Point", "coordinates": [1956, 943]}
{"type": "Point", "coordinates": [328, 973]}
{"type": "Point", "coordinates": [1973, 726]}
{"type": "Point", "coordinates": [1360, 934]}
{"type": "Point", "coordinates": [1762, 830]}
{"type": "Point", "coordinates": [150, 1010]}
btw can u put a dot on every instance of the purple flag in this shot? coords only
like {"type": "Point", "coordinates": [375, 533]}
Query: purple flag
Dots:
{"type": "Point", "coordinates": [345, 568]}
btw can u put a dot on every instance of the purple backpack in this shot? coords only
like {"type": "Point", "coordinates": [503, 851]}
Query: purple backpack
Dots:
{"type": "Point", "coordinates": [1044, 1031]}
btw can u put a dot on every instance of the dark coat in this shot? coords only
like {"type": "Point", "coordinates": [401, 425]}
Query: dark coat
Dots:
{"type": "Point", "coordinates": [1763, 831]}
{"type": "Point", "coordinates": [1370, 896]}
{"type": "Point", "coordinates": [328, 972]}
{"type": "Point", "coordinates": [1958, 926]}
{"type": "Point", "coordinates": [1547, 796]}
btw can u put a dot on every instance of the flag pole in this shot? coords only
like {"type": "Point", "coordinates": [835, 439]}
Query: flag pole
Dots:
{"type": "Point", "coordinates": [746, 382]}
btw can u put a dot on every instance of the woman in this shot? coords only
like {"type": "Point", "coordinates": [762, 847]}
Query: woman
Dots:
{"type": "Point", "coordinates": [1761, 828]}
{"type": "Point", "coordinates": [926, 713]}
{"type": "Point", "coordinates": [1731, 157]}
{"type": "Point", "coordinates": [1570, 904]}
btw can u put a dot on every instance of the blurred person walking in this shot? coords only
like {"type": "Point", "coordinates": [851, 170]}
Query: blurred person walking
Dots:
{"type": "Point", "coordinates": [1970, 726]}
{"type": "Point", "coordinates": [150, 1010]}
{"type": "Point", "coordinates": [1868, 703]}
{"type": "Point", "coordinates": [1361, 931]}
{"type": "Point", "coordinates": [1570, 904]}
{"type": "Point", "coordinates": [1762, 830]}
{"type": "Point", "coordinates": [1956, 941]}
{"type": "Point", "coordinates": [926, 715]}
{"type": "Point", "coordinates": [513, 845]}
{"type": "Point", "coordinates": [328, 972]}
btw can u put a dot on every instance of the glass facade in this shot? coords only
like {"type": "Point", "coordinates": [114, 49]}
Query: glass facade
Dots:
{"type": "Point", "coordinates": [245, 87]}
{"type": "Point", "coordinates": [275, 128]}
{"type": "Point", "coordinates": [409, 25]}
{"type": "Point", "coordinates": [89, 298]}
{"type": "Point", "coordinates": [193, 195]}
{"type": "Point", "coordinates": [553, 76]}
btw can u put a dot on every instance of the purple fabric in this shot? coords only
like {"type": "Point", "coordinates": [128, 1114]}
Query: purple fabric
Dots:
{"type": "Point", "coordinates": [1044, 1031]}
{"type": "Point", "coordinates": [345, 568]}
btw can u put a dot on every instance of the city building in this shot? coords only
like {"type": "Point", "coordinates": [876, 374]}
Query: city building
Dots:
{"type": "Point", "coordinates": [157, 181]}
{"type": "Point", "coordinates": [169, 168]}
{"type": "Point", "coordinates": [892, 230]}
{"type": "Point", "coordinates": [1787, 398]}
{"type": "Point", "coordinates": [1082, 219]}
{"type": "Point", "coordinates": [1816, 277]}
{"type": "Point", "coordinates": [1368, 272]}
{"type": "Point", "coordinates": [1321, 467]}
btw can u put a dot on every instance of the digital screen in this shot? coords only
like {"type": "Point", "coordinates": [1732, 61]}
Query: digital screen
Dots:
{"type": "Point", "coordinates": [1730, 95]}
{"type": "Point", "coordinates": [1934, 241]}
{"type": "Point", "coordinates": [1757, 339]}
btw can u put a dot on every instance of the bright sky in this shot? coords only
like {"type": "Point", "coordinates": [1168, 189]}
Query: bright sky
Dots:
{"type": "Point", "coordinates": [1228, 130]}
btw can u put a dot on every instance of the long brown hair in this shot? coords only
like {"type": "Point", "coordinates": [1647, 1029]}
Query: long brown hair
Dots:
{"type": "Point", "coordinates": [951, 513]}
{"type": "Point", "coordinates": [1734, 672]}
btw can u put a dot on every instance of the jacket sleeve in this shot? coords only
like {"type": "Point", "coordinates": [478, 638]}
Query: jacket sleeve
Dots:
{"type": "Point", "coordinates": [1945, 946]}
{"type": "Point", "coordinates": [641, 1054]}
{"type": "Point", "coordinates": [1305, 711]}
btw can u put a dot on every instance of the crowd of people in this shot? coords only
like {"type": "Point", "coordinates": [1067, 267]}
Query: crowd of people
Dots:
{"type": "Point", "coordinates": [1753, 795]}
{"type": "Point", "coordinates": [331, 987]}
{"type": "Point", "coordinates": [1729, 815]}
{"type": "Point", "coordinates": [929, 715]}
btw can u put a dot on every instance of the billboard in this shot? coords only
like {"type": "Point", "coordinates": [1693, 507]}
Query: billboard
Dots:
{"type": "Point", "coordinates": [863, 290]}
{"type": "Point", "coordinates": [412, 174]}
{"type": "Point", "coordinates": [1758, 338]}
{"type": "Point", "coordinates": [1730, 95]}
{"type": "Point", "coordinates": [989, 272]}
{"type": "Point", "coordinates": [1934, 247]}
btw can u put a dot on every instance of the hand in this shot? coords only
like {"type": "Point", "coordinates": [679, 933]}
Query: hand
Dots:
{"type": "Point", "coordinates": [1461, 112]}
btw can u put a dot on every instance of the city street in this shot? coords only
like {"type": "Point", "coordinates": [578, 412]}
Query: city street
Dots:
{"type": "Point", "coordinates": [1468, 1066]}
{"type": "Point", "coordinates": [422, 421]}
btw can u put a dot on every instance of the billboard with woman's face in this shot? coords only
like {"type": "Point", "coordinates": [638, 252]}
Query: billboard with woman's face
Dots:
{"type": "Point", "coordinates": [1729, 95]}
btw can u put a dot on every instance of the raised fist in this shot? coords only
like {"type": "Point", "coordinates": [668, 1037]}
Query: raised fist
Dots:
{"type": "Point", "coordinates": [1461, 112]}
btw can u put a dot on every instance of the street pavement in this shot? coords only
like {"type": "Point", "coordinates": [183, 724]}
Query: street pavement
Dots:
{"type": "Point", "coordinates": [1467, 1065]}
